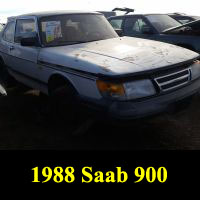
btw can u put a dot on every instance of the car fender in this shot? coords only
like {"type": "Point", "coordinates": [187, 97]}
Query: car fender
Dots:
{"type": "Point", "coordinates": [84, 86]}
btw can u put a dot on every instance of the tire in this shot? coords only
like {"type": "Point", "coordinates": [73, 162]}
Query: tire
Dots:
{"type": "Point", "coordinates": [63, 102]}
{"type": "Point", "coordinates": [67, 112]}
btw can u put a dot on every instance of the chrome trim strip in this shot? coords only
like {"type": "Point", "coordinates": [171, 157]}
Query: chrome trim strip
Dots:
{"type": "Point", "coordinates": [174, 87]}
{"type": "Point", "coordinates": [174, 80]}
{"type": "Point", "coordinates": [160, 77]}
{"type": "Point", "coordinates": [160, 85]}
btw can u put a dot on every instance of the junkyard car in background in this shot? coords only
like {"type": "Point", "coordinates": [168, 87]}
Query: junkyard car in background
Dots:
{"type": "Point", "coordinates": [159, 27]}
{"type": "Point", "coordinates": [77, 56]}
{"type": "Point", "coordinates": [108, 14]}
{"type": "Point", "coordinates": [183, 18]}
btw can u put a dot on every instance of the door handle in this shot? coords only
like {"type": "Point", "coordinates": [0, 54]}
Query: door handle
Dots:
{"type": "Point", "coordinates": [12, 48]}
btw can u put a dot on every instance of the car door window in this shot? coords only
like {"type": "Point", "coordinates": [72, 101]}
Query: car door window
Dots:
{"type": "Point", "coordinates": [9, 32]}
{"type": "Point", "coordinates": [135, 26]}
{"type": "Point", "coordinates": [24, 28]}
{"type": "Point", "coordinates": [116, 23]}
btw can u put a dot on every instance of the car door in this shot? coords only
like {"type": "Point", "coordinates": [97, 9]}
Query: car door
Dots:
{"type": "Point", "coordinates": [137, 26]}
{"type": "Point", "coordinates": [25, 57]}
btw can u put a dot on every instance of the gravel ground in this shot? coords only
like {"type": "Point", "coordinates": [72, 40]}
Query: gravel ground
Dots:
{"type": "Point", "coordinates": [23, 128]}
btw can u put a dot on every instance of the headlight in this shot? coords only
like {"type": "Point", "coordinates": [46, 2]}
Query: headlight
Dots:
{"type": "Point", "coordinates": [108, 89]}
{"type": "Point", "coordinates": [138, 89]}
{"type": "Point", "coordinates": [127, 91]}
{"type": "Point", "coordinates": [195, 68]}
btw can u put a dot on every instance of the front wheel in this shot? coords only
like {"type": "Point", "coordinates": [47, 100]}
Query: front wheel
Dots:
{"type": "Point", "coordinates": [63, 103]}
{"type": "Point", "coordinates": [67, 112]}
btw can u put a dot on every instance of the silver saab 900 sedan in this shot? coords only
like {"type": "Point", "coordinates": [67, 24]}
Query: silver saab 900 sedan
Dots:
{"type": "Point", "coordinates": [77, 56]}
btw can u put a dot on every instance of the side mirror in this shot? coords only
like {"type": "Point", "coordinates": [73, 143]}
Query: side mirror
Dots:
{"type": "Point", "coordinates": [29, 41]}
{"type": "Point", "coordinates": [119, 32]}
{"type": "Point", "coordinates": [147, 30]}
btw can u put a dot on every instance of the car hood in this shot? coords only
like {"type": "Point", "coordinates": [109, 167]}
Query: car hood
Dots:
{"type": "Point", "coordinates": [181, 26]}
{"type": "Point", "coordinates": [117, 56]}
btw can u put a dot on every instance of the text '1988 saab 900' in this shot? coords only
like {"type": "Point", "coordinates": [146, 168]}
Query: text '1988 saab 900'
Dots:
{"type": "Point", "coordinates": [78, 57]}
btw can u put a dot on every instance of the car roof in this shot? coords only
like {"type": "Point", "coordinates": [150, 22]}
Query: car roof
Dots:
{"type": "Point", "coordinates": [185, 16]}
{"type": "Point", "coordinates": [128, 15]}
{"type": "Point", "coordinates": [178, 15]}
{"type": "Point", "coordinates": [52, 13]}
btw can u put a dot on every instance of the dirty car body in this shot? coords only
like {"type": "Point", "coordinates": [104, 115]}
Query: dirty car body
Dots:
{"type": "Point", "coordinates": [159, 27]}
{"type": "Point", "coordinates": [124, 77]}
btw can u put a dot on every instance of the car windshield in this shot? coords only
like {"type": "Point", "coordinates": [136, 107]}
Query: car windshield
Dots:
{"type": "Point", "coordinates": [162, 22]}
{"type": "Point", "coordinates": [74, 28]}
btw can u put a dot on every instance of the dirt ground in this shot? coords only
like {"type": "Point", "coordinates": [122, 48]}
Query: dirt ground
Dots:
{"type": "Point", "coordinates": [23, 128]}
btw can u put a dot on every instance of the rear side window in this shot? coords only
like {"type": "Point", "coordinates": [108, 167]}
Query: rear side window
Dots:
{"type": "Point", "coordinates": [24, 28]}
{"type": "Point", "coordinates": [116, 23]}
{"type": "Point", "coordinates": [9, 32]}
{"type": "Point", "coordinates": [134, 25]}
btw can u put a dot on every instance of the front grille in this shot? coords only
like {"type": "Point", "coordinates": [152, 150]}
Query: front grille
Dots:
{"type": "Point", "coordinates": [173, 80]}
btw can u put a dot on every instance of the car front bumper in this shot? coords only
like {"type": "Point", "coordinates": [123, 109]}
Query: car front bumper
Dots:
{"type": "Point", "coordinates": [146, 107]}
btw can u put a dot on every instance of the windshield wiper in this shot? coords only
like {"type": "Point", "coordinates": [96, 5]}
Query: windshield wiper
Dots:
{"type": "Point", "coordinates": [70, 42]}
{"type": "Point", "coordinates": [61, 43]}
{"type": "Point", "coordinates": [79, 42]}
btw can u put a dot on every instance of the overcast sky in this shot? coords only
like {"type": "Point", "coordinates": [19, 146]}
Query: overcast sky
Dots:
{"type": "Point", "coordinates": [15, 7]}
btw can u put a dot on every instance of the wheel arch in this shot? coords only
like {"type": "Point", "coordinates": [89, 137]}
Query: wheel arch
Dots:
{"type": "Point", "coordinates": [58, 79]}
